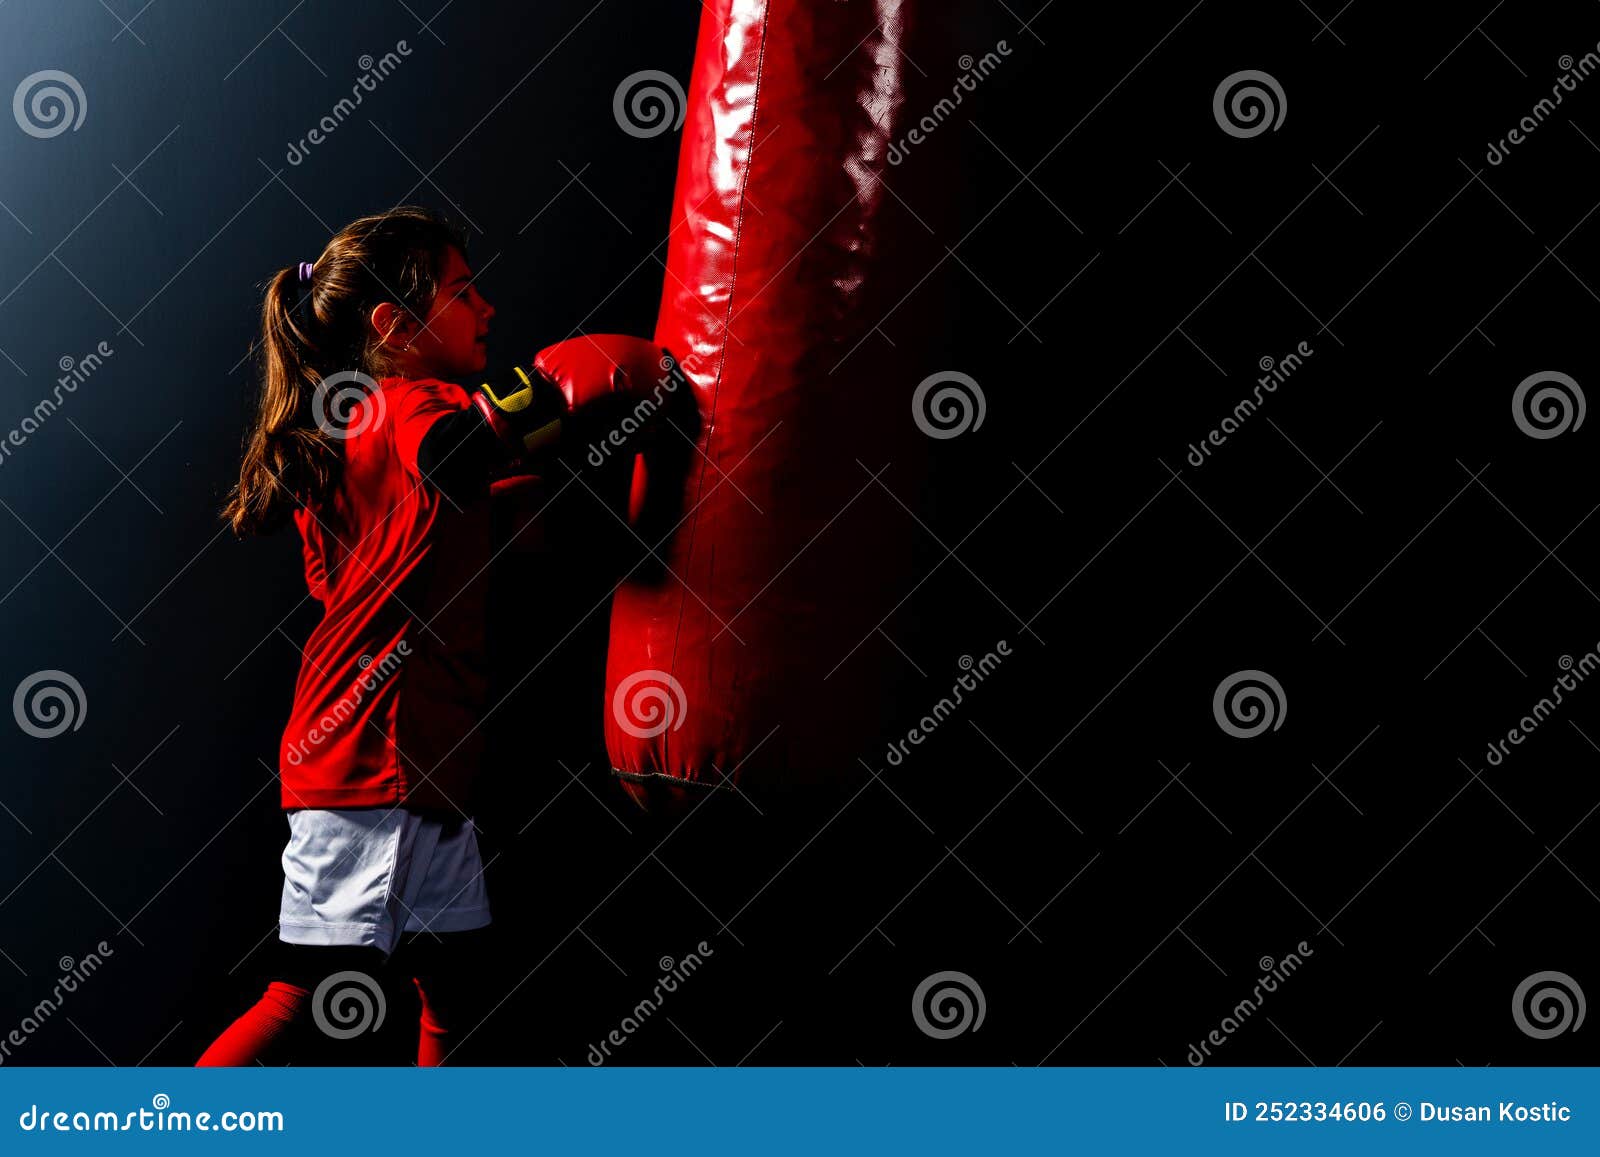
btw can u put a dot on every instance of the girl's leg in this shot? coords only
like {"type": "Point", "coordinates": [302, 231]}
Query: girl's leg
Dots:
{"type": "Point", "coordinates": [281, 1025]}
{"type": "Point", "coordinates": [448, 973]}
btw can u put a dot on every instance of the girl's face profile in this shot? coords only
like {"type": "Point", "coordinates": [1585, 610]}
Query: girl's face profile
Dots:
{"type": "Point", "coordinates": [452, 342]}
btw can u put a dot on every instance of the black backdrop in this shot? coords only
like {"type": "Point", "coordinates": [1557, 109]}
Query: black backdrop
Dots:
{"type": "Point", "coordinates": [1084, 841]}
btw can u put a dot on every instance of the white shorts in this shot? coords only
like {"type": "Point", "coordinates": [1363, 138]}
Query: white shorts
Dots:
{"type": "Point", "coordinates": [360, 876]}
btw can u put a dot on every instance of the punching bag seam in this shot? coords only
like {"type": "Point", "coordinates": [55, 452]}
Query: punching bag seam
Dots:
{"type": "Point", "coordinates": [722, 354]}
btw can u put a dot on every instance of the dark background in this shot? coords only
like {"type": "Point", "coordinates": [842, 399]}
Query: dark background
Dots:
{"type": "Point", "coordinates": [1084, 841]}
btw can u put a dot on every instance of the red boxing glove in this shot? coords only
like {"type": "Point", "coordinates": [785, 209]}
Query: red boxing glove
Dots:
{"type": "Point", "coordinates": [590, 368]}
{"type": "Point", "coordinates": [613, 385]}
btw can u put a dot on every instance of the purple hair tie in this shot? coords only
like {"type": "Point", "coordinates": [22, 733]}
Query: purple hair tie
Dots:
{"type": "Point", "coordinates": [305, 270]}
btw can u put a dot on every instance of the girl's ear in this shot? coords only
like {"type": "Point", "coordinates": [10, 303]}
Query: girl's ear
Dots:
{"type": "Point", "coordinates": [393, 327]}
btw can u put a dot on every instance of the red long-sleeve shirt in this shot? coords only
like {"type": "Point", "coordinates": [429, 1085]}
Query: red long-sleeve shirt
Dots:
{"type": "Point", "coordinates": [393, 680]}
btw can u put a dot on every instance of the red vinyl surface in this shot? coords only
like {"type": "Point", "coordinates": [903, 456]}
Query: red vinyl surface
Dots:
{"type": "Point", "coordinates": [741, 655]}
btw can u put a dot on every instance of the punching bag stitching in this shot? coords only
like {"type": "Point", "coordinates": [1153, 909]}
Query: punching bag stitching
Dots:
{"type": "Point", "coordinates": [722, 356]}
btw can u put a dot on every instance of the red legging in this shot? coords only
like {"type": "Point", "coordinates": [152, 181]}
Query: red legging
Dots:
{"type": "Point", "coordinates": [282, 1025]}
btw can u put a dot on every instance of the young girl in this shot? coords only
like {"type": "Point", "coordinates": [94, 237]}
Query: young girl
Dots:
{"type": "Point", "coordinates": [384, 467]}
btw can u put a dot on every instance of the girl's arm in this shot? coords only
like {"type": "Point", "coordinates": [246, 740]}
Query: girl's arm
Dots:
{"type": "Point", "coordinates": [587, 383]}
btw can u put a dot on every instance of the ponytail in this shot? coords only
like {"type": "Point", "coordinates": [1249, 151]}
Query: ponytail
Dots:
{"type": "Point", "coordinates": [287, 456]}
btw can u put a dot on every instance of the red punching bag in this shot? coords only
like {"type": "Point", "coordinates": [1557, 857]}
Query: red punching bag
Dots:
{"type": "Point", "coordinates": [746, 650]}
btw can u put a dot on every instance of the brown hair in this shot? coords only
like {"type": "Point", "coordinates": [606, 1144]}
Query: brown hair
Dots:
{"type": "Point", "coordinates": [313, 329]}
